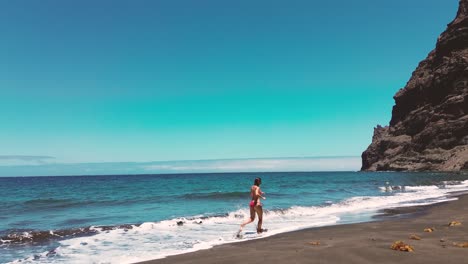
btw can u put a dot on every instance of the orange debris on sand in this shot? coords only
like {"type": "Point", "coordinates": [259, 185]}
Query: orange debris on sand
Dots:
{"type": "Point", "coordinates": [314, 243]}
{"type": "Point", "coordinates": [429, 229]}
{"type": "Point", "coordinates": [454, 223]}
{"type": "Point", "coordinates": [462, 245]}
{"type": "Point", "coordinates": [401, 246]}
{"type": "Point", "coordinates": [415, 237]}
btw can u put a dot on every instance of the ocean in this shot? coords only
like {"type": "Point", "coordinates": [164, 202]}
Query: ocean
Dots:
{"type": "Point", "coordinates": [130, 218]}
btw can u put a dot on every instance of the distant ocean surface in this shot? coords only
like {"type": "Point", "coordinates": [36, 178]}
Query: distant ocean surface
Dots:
{"type": "Point", "coordinates": [130, 218]}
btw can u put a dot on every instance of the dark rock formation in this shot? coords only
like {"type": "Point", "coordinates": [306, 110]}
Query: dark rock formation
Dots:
{"type": "Point", "coordinates": [429, 126]}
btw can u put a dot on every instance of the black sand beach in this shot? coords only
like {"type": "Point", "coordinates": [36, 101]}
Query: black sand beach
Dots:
{"type": "Point", "coordinates": [355, 243]}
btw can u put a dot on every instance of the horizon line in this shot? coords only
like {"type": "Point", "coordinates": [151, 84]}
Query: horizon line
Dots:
{"type": "Point", "coordinates": [181, 160]}
{"type": "Point", "coordinates": [278, 164]}
{"type": "Point", "coordinates": [182, 173]}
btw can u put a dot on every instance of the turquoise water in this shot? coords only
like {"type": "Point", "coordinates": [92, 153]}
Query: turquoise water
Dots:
{"type": "Point", "coordinates": [210, 206]}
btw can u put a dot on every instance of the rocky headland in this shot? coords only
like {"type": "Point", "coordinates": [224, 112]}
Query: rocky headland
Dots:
{"type": "Point", "coordinates": [429, 126]}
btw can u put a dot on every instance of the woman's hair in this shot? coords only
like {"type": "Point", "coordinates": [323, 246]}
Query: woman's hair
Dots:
{"type": "Point", "coordinates": [257, 181]}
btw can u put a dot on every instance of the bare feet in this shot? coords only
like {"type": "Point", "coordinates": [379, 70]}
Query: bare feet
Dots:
{"type": "Point", "coordinates": [238, 234]}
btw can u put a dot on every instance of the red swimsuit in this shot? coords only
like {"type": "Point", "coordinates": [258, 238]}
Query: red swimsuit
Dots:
{"type": "Point", "coordinates": [253, 202]}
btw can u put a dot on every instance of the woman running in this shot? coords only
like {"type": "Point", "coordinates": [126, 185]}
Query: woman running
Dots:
{"type": "Point", "coordinates": [255, 206]}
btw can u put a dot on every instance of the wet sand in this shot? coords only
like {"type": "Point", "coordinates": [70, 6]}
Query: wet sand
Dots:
{"type": "Point", "coordinates": [355, 243]}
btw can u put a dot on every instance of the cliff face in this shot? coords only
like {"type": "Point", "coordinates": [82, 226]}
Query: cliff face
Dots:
{"type": "Point", "coordinates": [429, 125]}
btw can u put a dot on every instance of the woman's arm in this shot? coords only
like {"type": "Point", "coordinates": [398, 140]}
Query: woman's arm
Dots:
{"type": "Point", "coordinates": [259, 193]}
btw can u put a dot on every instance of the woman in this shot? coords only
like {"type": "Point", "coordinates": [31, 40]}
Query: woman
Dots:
{"type": "Point", "coordinates": [255, 206]}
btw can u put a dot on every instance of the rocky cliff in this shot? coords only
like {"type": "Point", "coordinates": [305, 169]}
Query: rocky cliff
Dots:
{"type": "Point", "coordinates": [429, 126]}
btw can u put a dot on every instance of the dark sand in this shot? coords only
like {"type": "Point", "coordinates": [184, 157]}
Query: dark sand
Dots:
{"type": "Point", "coordinates": [355, 243]}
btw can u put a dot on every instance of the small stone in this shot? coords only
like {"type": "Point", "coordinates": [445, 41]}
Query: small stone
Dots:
{"type": "Point", "coordinates": [51, 253]}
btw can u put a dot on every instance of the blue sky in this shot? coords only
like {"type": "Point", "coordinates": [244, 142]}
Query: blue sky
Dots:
{"type": "Point", "coordinates": [141, 81]}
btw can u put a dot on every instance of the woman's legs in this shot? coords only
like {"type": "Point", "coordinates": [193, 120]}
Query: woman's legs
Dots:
{"type": "Point", "coordinates": [251, 219]}
{"type": "Point", "coordinates": [259, 211]}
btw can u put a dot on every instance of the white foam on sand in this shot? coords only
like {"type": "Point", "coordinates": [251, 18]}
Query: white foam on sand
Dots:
{"type": "Point", "coordinates": [154, 240]}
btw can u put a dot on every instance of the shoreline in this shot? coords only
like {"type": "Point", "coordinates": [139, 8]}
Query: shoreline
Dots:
{"type": "Point", "coordinates": [367, 242]}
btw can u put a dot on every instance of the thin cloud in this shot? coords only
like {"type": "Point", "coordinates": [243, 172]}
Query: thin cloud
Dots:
{"type": "Point", "coordinates": [276, 164]}
{"type": "Point", "coordinates": [24, 159]}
